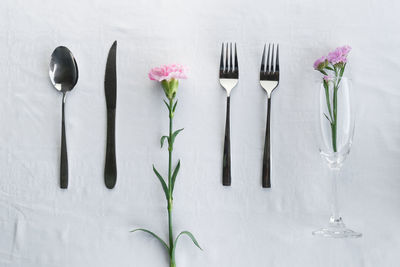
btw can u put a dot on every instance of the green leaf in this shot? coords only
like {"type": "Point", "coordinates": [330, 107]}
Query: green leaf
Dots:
{"type": "Point", "coordinates": [327, 98]}
{"type": "Point", "coordinates": [173, 109]}
{"type": "Point", "coordinates": [342, 70]}
{"type": "Point", "coordinates": [154, 235]}
{"type": "Point", "coordinates": [174, 135]}
{"type": "Point", "coordinates": [174, 174]}
{"type": "Point", "coordinates": [325, 85]}
{"type": "Point", "coordinates": [323, 72]}
{"type": "Point", "coordinates": [167, 104]}
{"type": "Point", "coordinates": [327, 118]}
{"type": "Point", "coordinates": [164, 185]}
{"type": "Point", "coordinates": [163, 139]}
{"type": "Point", "coordinates": [189, 234]}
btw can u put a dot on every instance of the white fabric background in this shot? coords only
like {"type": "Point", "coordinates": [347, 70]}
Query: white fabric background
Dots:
{"type": "Point", "coordinates": [242, 225]}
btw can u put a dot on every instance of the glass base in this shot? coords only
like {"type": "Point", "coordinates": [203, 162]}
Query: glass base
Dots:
{"type": "Point", "coordinates": [336, 229]}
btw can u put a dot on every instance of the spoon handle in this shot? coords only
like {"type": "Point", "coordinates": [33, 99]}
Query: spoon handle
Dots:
{"type": "Point", "coordinates": [64, 156]}
{"type": "Point", "coordinates": [110, 169]}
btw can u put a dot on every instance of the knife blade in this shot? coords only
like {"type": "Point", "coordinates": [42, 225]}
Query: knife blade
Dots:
{"type": "Point", "coordinates": [110, 88]}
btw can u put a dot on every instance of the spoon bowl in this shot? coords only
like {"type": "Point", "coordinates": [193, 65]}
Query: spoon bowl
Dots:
{"type": "Point", "coordinates": [63, 69]}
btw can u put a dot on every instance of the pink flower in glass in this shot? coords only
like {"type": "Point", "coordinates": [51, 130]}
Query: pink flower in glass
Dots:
{"type": "Point", "coordinates": [319, 62]}
{"type": "Point", "coordinates": [345, 50]}
{"type": "Point", "coordinates": [339, 55]}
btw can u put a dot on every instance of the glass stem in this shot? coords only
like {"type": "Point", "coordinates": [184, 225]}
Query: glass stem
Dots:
{"type": "Point", "coordinates": [335, 203]}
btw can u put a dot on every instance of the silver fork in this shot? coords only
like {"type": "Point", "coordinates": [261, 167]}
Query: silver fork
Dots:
{"type": "Point", "coordinates": [269, 80]}
{"type": "Point", "coordinates": [228, 78]}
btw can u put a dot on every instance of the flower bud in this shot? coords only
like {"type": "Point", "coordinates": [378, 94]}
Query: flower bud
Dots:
{"type": "Point", "coordinates": [170, 87]}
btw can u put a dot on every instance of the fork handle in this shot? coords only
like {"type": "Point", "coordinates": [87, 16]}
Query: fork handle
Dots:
{"type": "Point", "coordinates": [226, 167]}
{"type": "Point", "coordinates": [266, 172]}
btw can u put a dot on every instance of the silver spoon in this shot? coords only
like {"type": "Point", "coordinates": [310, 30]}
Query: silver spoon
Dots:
{"type": "Point", "coordinates": [64, 76]}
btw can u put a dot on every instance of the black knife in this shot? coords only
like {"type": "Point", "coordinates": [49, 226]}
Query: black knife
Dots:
{"type": "Point", "coordinates": [110, 86]}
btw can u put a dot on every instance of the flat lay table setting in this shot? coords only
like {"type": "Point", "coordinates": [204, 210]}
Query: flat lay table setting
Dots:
{"type": "Point", "coordinates": [199, 133]}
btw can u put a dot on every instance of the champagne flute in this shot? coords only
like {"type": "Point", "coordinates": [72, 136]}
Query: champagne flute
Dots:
{"type": "Point", "coordinates": [336, 130]}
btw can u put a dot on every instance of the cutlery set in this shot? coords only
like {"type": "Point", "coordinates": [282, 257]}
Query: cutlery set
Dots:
{"type": "Point", "coordinates": [63, 73]}
{"type": "Point", "coordinates": [269, 80]}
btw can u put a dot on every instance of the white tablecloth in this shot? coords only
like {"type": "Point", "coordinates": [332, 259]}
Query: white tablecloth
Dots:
{"type": "Point", "coordinates": [242, 225]}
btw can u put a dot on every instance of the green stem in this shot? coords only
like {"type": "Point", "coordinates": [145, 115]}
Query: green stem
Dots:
{"type": "Point", "coordinates": [328, 102]}
{"type": "Point", "coordinates": [334, 131]}
{"type": "Point", "coordinates": [170, 145]}
{"type": "Point", "coordinates": [170, 199]}
{"type": "Point", "coordinates": [334, 123]}
{"type": "Point", "coordinates": [338, 75]}
{"type": "Point", "coordinates": [334, 104]}
{"type": "Point", "coordinates": [171, 240]}
{"type": "Point", "coordinates": [332, 116]}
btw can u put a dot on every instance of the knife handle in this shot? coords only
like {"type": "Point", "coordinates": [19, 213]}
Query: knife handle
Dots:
{"type": "Point", "coordinates": [226, 168]}
{"type": "Point", "coordinates": [64, 155]}
{"type": "Point", "coordinates": [266, 171]}
{"type": "Point", "coordinates": [110, 169]}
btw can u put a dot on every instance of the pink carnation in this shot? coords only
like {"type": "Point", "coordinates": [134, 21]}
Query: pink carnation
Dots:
{"type": "Point", "coordinates": [318, 62]}
{"type": "Point", "coordinates": [167, 72]}
{"type": "Point", "coordinates": [339, 55]}
{"type": "Point", "coordinates": [345, 49]}
{"type": "Point", "coordinates": [328, 78]}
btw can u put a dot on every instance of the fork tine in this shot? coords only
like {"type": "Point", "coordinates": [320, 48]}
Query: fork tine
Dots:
{"type": "Point", "coordinates": [277, 58]}
{"type": "Point", "coordinates": [268, 64]}
{"type": "Point", "coordinates": [236, 60]}
{"type": "Point", "coordinates": [226, 57]}
{"type": "Point", "coordinates": [263, 60]}
{"type": "Point", "coordinates": [272, 59]}
{"type": "Point", "coordinates": [221, 64]}
{"type": "Point", "coordinates": [230, 58]}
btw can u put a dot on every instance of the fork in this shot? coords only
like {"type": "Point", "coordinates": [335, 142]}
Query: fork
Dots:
{"type": "Point", "coordinates": [269, 80]}
{"type": "Point", "coordinates": [228, 78]}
